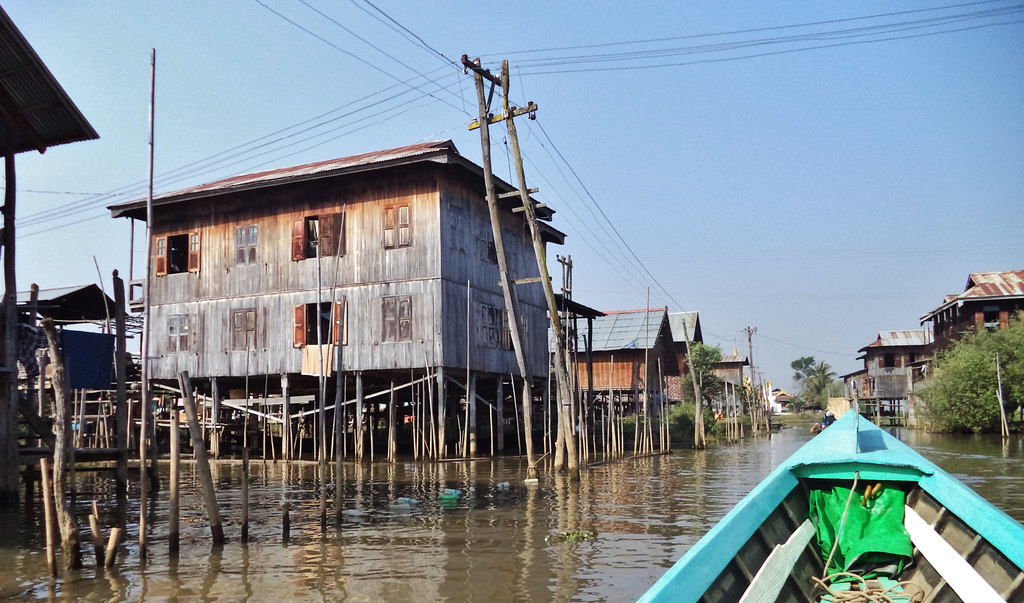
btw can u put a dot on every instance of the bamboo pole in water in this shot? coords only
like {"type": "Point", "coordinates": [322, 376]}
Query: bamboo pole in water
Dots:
{"type": "Point", "coordinates": [202, 461]}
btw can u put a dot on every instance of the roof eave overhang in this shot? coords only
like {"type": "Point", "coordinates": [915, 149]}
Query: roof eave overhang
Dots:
{"type": "Point", "coordinates": [137, 209]}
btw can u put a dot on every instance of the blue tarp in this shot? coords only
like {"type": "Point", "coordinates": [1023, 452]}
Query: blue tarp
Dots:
{"type": "Point", "coordinates": [88, 358]}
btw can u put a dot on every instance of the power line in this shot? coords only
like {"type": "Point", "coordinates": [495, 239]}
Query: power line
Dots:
{"type": "Point", "coordinates": [534, 66]}
{"type": "Point", "coordinates": [745, 31]}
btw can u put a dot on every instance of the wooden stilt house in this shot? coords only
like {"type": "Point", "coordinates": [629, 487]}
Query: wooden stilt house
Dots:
{"type": "Point", "coordinates": [380, 267]}
{"type": "Point", "coordinates": [632, 354]}
{"type": "Point", "coordinates": [35, 114]}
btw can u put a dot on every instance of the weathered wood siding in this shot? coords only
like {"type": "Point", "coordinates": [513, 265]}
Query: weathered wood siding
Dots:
{"type": "Point", "coordinates": [468, 259]}
{"type": "Point", "coordinates": [449, 229]}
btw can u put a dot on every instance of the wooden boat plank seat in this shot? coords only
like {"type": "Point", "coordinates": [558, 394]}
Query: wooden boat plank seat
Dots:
{"type": "Point", "coordinates": [958, 573]}
{"type": "Point", "coordinates": [769, 580]}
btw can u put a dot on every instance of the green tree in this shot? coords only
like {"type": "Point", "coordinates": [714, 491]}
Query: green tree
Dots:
{"type": "Point", "coordinates": [705, 357]}
{"type": "Point", "coordinates": [816, 379]}
{"type": "Point", "coordinates": [961, 396]}
{"type": "Point", "coordinates": [802, 368]}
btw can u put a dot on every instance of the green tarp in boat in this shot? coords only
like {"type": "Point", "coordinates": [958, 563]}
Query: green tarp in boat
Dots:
{"type": "Point", "coordinates": [872, 542]}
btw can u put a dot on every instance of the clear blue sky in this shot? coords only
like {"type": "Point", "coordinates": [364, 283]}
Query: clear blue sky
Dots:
{"type": "Point", "coordinates": [818, 182]}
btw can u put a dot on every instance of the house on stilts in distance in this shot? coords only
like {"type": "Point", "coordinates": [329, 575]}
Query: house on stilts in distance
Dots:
{"type": "Point", "coordinates": [379, 267]}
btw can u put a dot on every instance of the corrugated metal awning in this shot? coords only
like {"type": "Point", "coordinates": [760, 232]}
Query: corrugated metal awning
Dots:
{"type": "Point", "coordinates": [35, 112]}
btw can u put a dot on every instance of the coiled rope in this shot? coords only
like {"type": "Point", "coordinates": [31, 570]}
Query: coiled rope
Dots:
{"type": "Point", "coordinates": [866, 594]}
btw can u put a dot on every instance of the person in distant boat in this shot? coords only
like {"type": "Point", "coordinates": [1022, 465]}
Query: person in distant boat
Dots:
{"type": "Point", "coordinates": [828, 419]}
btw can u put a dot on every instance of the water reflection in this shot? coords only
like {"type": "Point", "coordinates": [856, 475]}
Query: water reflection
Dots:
{"type": "Point", "coordinates": [488, 546]}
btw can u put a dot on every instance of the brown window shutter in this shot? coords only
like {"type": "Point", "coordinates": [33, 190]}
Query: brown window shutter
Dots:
{"type": "Point", "coordinates": [299, 240]}
{"type": "Point", "coordinates": [327, 241]}
{"type": "Point", "coordinates": [161, 256]}
{"type": "Point", "coordinates": [339, 318]}
{"type": "Point", "coordinates": [299, 332]}
{"type": "Point", "coordinates": [194, 249]}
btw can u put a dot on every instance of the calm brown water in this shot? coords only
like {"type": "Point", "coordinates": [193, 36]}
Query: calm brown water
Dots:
{"type": "Point", "coordinates": [490, 547]}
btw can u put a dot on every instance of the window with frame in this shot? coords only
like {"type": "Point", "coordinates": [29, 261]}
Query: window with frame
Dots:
{"type": "Point", "coordinates": [243, 329]}
{"type": "Point", "coordinates": [332, 324]}
{"type": "Point", "coordinates": [177, 333]}
{"type": "Point", "coordinates": [397, 227]}
{"type": "Point", "coordinates": [178, 253]}
{"type": "Point", "coordinates": [991, 317]}
{"type": "Point", "coordinates": [245, 244]}
{"type": "Point", "coordinates": [396, 313]}
{"type": "Point", "coordinates": [324, 233]}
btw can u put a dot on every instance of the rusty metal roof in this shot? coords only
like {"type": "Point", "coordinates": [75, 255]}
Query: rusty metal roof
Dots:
{"type": "Point", "coordinates": [985, 285]}
{"type": "Point", "coordinates": [35, 112]}
{"type": "Point", "coordinates": [994, 284]}
{"type": "Point", "coordinates": [301, 172]}
{"type": "Point", "coordinates": [891, 339]}
{"type": "Point", "coordinates": [436, 151]}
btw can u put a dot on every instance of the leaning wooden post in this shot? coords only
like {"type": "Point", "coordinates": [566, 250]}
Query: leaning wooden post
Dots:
{"type": "Point", "coordinates": [97, 536]}
{"type": "Point", "coordinates": [121, 409]}
{"type": "Point", "coordinates": [69, 536]}
{"type": "Point", "coordinates": [112, 542]}
{"type": "Point", "coordinates": [44, 478]}
{"type": "Point", "coordinates": [202, 461]}
{"type": "Point", "coordinates": [173, 510]}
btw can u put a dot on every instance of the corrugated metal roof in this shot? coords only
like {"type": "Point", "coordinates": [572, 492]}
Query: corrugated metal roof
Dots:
{"type": "Point", "coordinates": [436, 151]}
{"type": "Point", "coordinates": [734, 359]}
{"type": "Point", "coordinates": [985, 285]}
{"type": "Point", "coordinates": [628, 329]}
{"type": "Point", "coordinates": [994, 284]}
{"type": "Point", "coordinates": [35, 112]}
{"type": "Point", "coordinates": [316, 169]}
{"type": "Point", "coordinates": [891, 339]}
{"type": "Point", "coordinates": [692, 321]}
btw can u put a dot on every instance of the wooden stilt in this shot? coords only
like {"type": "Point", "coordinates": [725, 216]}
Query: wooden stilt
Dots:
{"type": "Point", "coordinates": [112, 542]}
{"type": "Point", "coordinates": [202, 461]}
{"type": "Point", "coordinates": [173, 507]}
{"type": "Point", "coordinates": [44, 479]}
{"type": "Point", "coordinates": [357, 432]}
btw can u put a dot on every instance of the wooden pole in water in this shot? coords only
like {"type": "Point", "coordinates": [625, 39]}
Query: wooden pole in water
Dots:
{"type": "Point", "coordinates": [112, 542]}
{"type": "Point", "coordinates": [121, 408]}
{"type": "Point", "coordinates": [69, 535]}
{"type": "Point", "coordinates": [358, 430]}
{"type": "Point", "coordinates": [173, 510]}
{"type": "Point", "coordinates": [44, 478]}
{"type": "Point", "coordinates": [392, 426]}
{"type": "Point", "coordinates": [202, 461]}
{"type": "Point", "coordinates": [97, 536]}
{"type": "Point", "coordinates": [1004, 426]}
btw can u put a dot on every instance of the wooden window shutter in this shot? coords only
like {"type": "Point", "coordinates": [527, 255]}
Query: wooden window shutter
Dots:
{"type": "Point", "coordinates": [340, 224]}
{"type": "Point", "coordinates": [299, 240]}
{"type": "Point", "coordinates": [299, 330]}
{"type": "Point", "coordinates": [161, 256]}
{"type": "Point", "coordinates": [337, 318]}
{"type": "Point", "coordinates": [327, 241]}
{"type": "Point", "coordinates": [194, 249]}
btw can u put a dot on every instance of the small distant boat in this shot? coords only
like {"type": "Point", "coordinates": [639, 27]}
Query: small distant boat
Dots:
{"type": "Point", "coordinates": [885, 520]}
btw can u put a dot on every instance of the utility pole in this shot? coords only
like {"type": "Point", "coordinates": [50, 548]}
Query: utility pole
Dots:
{"type": "Point", "coordinates": [753, 380]}
{"type": "Point", "coordinates": [509, 292]}
{"type": "Point", "coordinates": [566, 452]}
